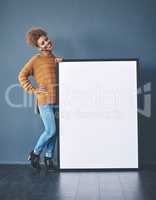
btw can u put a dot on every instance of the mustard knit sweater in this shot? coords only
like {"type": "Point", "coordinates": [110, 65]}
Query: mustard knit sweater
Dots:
{"type": "Point", "coordinates": [43, 70]}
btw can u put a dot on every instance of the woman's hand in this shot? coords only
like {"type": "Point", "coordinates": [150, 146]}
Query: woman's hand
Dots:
{"type": "Point", "coordinates": [58, 59]}
{"type": "Point", "coordinates": [41, 90]}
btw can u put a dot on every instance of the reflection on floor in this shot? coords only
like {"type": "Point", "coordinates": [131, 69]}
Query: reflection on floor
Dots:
{"type": "Point", "coordinates": [20, 182]}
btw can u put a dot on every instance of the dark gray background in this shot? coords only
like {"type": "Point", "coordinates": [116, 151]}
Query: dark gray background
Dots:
{"type": "Point", "coordinates": [81, 29]}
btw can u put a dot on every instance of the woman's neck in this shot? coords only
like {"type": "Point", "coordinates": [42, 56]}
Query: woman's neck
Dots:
{"type": "Point", "coordinates": [46, 53]}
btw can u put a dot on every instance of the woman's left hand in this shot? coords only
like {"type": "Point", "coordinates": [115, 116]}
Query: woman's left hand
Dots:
{"type": "Point", "coordinates": [58, 59]}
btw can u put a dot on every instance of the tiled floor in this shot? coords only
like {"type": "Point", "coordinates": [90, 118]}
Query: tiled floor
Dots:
{"type": "Point", "coordinates": [20, 182]}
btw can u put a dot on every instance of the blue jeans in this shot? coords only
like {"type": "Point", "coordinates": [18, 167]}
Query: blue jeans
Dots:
{"type": "Point", "coordinates": [48, 137]}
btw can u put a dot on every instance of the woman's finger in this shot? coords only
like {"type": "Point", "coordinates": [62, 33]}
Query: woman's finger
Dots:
{"type": "Point", "coordinates": [41, 86]}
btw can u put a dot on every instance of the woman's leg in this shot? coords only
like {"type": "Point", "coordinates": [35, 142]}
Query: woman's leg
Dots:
{"type": "Point", "coordinates": [51, 147]}
{"type": "Point", "coordinates": [48, 118]}
{"type": "Point", "coordinates": [52, 141]}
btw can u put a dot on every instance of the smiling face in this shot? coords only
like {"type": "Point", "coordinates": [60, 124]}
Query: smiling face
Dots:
{"type": "Point", "coordinates": [44, 44]}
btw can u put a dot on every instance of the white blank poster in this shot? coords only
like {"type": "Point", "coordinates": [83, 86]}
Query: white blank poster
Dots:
{"type": "Point", "coordinates": [98, 114]}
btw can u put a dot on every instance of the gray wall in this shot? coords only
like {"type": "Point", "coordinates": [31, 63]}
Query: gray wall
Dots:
{"type": "Point", "coordinates": [80, 29]}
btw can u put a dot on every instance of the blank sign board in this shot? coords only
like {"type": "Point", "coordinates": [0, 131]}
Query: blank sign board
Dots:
{"type": "Point", "coordinates": [98, 125]}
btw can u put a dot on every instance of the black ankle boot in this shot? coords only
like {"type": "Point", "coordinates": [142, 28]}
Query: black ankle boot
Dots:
{"type": "Point", "coordinates": [35, 160]}
{"type": "Point", "coordinates": [49, 164]}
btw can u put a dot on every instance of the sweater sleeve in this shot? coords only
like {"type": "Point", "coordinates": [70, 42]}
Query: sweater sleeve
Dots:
{"type": "Point", "coordinates": [23, 75]}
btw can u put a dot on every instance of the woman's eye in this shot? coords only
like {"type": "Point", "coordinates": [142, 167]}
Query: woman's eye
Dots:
{"type": "Point", "coordinates": [42, 43]}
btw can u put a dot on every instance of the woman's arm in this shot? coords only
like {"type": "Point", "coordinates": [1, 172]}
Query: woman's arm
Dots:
{"type": "Point", "coordinates": [23, 75]}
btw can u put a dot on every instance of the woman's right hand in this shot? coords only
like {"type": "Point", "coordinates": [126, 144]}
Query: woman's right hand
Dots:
{"type": "Point", "coordinates": [41, 90]}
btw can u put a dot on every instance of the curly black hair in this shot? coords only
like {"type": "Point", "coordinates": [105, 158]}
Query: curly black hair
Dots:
{"type": "Point", "coordinates": [33, 35]}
